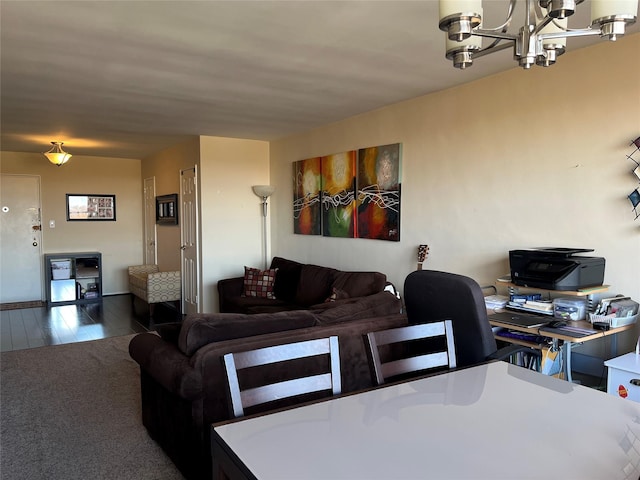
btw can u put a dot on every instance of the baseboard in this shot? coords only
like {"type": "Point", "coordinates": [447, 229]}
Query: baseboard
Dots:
{"type": "Point", "coordinates": [19, 305]}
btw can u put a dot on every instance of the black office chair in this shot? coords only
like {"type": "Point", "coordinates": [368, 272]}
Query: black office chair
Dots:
{"type": "Point", "coordinates": [433, 296]}
{"type": "Point", "coordinates": [384, 367]}
{"type": "Point", "coordinates": [271, 389]}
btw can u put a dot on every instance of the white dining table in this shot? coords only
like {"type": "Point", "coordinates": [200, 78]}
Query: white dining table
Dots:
{"type": "Point", "coordinates": [492, 421]}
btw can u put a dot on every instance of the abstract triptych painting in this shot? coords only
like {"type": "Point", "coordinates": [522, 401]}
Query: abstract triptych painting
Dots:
{"type": "Point", "coordinates": [354, 194]}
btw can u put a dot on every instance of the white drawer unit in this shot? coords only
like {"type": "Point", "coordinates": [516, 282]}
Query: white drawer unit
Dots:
{"type": "Point", "coordinates": [623, 378]}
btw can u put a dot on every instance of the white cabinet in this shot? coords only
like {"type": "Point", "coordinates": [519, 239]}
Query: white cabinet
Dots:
{"type": "Point", "coordinates": [623, 378]}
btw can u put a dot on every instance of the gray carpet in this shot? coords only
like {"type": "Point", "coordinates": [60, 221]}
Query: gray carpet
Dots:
{"type": "Point", "coordinates": [73, 412]}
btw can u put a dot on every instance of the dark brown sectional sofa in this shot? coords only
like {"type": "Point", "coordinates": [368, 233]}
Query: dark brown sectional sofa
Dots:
{"type": "Point", "coordinates": [300, 286]}
{"type": "Point", "coordinates": [183, 385]}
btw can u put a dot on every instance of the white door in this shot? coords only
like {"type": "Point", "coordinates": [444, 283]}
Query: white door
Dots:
{"type": "Point", "coordinates": [189, 232]}
{"type": "Point", "coordinates": [150, 221]}
{"type": "Point", "coordinates": [20, 239]}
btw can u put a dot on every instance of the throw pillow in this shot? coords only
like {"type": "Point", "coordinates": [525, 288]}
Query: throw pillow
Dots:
{"type": "Point", "coordinates": [259, 283]}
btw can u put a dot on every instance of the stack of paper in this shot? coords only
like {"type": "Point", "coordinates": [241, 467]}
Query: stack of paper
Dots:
{"type": "Point", "coordinates": [494, 302]}
{"type": "Point", "coordinates": [542, 306]}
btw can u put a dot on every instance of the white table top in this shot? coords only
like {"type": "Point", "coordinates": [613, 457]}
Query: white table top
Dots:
{"type": "Point", "coordinates": [493, 421]}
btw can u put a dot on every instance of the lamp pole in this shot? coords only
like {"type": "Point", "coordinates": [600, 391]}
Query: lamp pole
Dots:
{"type": "Point", "coordinates": [264, 232]}
{"type": "Point", "coordinates": [264, 192]}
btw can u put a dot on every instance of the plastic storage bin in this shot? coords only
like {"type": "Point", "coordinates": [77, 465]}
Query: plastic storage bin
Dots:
{"type": "Point", "coordinates": [569, 308]}
{"type": "Point", "coordinates": [61, 269]}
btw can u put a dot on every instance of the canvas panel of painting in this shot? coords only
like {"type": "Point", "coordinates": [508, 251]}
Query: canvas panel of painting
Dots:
{"type": "Point", "coordinates": [306, 197]}
{"type": "Point", "coordinates": [338, 195]}
{"type": "Point", "coordinates": [378, 187]}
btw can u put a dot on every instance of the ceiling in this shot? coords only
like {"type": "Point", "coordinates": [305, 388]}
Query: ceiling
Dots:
{"type": "Point", "coordinates": [130, 78]}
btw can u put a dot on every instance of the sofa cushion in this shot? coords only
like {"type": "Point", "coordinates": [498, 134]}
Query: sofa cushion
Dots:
{"type": "Point", "coordinates": [372, 306]}
{"type": "Point", "coordinates": [247, 304]}
{"type": "Point", "coordinates": [287, 278]}
{"type": "Point", "coordinates": [259, 283]}
{"type": "Point", "coordinates": [314, 285]}
{"type": "Point", "coordinates": [201, 329]}
{"type": "Point", "coordinates": [359, 284]}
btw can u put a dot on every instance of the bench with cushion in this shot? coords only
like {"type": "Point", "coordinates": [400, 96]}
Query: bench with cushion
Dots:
{"type": "Point", "coordinates": [152, 286]}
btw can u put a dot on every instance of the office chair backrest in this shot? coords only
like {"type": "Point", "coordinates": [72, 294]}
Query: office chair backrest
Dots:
{"type": "Point", "coordinates": [382, 370]}
{"type": "Point", "coordinates": [242, 398]}
{"type": "Point", "coordinates": [431, 296]}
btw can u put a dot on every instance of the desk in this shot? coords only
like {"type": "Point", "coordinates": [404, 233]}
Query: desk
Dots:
{"type": "Point", "coordinates": [493, 421]}
{"type": "Point", "coordinates": [568, 341]}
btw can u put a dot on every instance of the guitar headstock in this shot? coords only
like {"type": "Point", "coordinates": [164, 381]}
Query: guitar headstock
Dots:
{"type": "Point", "coordinates": [423, 251]}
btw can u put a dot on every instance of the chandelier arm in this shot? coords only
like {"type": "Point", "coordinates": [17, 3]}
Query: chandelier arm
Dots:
{"type": "Point", "coordinates": [585, 32]}
{"type": "Point", "coordinates": [543, 23]}
{"type": "Point", "coordinates": [538, 10]}
{"type": "Point", "coordinates": [493, 44]}
{"type": "Point", "coordinates": [481, 32]}
{"type": "Point", "coordinates": [505, 26]}
{"type": "Point", "coordinates": [505, 29]}
{"type": "Point", "coordinates": [492, 48]}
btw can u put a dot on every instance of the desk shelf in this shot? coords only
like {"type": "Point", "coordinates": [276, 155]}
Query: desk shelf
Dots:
{"type": "Point", "coordinates": [582, 292]}
{"type": "Point", "coordinates": [523, 343]}
{"type": "Point", "coordinates": [587, 293]}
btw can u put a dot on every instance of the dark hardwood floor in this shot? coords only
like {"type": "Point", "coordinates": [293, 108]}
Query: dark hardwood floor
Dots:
{"type": "Point", "coordinates": [115, 315]}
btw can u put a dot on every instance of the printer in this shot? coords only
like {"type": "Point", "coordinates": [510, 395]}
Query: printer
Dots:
{"type": "Point", "coordinates": [556, 268]}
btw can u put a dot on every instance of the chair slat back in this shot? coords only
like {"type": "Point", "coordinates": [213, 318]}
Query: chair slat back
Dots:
{"type": "Point", "coordinates": [383, 370]}
{"type": "Point", "coordinates": [244, 398]}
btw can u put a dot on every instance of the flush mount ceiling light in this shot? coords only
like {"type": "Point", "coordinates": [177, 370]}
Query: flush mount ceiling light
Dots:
{"type": "Point", "coordinates": [56, 155]}
{"type": "Point", "coordinates": [542, 38]}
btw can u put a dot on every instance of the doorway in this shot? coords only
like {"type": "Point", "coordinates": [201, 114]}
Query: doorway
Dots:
{"type": "Point", "coordinates": [20, 239]}
{"type": "Point", "coordinates": [189, 246]}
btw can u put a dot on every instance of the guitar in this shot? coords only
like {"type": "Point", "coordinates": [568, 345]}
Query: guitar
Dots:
{"type": "Point", "coordinates": [423, 251]}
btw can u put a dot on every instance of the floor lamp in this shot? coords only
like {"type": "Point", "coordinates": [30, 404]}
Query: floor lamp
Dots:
{"type": "Point", "coordinates": [264, 192]}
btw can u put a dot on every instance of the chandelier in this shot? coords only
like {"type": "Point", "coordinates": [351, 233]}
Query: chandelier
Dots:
{"type": "Point", "coordinates": [56, 155]}
{"type": "Point", "coordinates": [540, 40]}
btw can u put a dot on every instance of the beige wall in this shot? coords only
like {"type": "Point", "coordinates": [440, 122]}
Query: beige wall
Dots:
{"type": "Point", "coordinates": [522, 159]}
{"type": "Point", "coordinates": [231, 215]}
{"type": "Point", "coordinates": [120, 241]}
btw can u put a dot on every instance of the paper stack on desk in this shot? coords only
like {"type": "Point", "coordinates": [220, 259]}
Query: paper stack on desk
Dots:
{"type": "Point", "coordinates": [539, 305]}
{"type": "Point", "coordinates": [495, 302]}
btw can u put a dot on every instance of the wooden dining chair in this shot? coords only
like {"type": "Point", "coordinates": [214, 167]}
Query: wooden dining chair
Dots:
{"type": "Point", "coordinates": [382, 370]}
{"type": "Point", "coordinates": [242, 398]}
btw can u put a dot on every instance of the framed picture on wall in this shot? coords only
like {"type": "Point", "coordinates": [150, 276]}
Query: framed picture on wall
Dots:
{"type": "Point", "coordinates": [167, 209]}
{"type": "Point", "coordinates": [91, 207]}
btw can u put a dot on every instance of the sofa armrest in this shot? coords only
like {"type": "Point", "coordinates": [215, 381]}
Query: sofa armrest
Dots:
{"type": "Point", "coordinates": [166, 364]}
{"type": "Point", "coordinates": [229, 288]}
